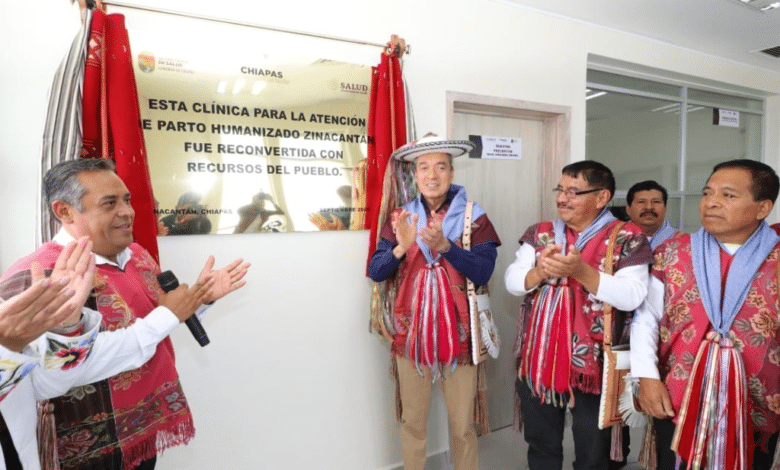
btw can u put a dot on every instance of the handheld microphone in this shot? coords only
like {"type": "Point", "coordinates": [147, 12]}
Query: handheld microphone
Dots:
{"type": "Point", "coordinates": [168, 282]}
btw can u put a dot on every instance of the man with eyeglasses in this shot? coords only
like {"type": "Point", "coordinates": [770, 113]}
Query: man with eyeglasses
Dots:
{"type": "Point", "coordinates": [560, 330]}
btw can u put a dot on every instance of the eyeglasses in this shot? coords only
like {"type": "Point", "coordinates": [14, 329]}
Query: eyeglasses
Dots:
{"type": "Point", "coordinates": [572, 193]}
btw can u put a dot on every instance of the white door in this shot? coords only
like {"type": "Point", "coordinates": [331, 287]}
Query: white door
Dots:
{"type": "Point", "coordinates": [510, 192]}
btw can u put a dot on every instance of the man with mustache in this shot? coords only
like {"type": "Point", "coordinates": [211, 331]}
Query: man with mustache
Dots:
{"type": "Point", "coordinates": [705, 342]}
{"type": "Point", "coordinates": [122, 422]}
{"type": "Point", "coordinates": [560, 330]}
{"type": "Point", "coordinates": [646, 206]}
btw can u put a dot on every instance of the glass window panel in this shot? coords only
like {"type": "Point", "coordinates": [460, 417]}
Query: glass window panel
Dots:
{"type": "Point", "coordinates": [621, 81]}
{"type": "Point", "coordinates": [637, 138]}
{"type": "Point", "coordinates": [673, 211]}
{"type": "Point", "coordinates": [709, 144]}
{"type": "Point", "coordinates": [692, 221]}
{"type": "Point", "coordinates": [725, 101]}
{"type": "Point", "coordinates": [618, 208]}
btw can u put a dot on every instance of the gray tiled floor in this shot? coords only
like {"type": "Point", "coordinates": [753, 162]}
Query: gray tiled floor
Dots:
{"type": "Point", "coordinates": [505, 449]}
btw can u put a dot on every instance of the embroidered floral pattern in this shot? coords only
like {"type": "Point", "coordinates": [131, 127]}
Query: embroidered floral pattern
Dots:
{"type": "Point", "coordinates": [679, 372]}
{"type": "Point", "coordinates": [101, 280]}
{"type": "Point", "coordinates": [753, 332]}
{"type": "Point", "coordinates": [659, 261]}
{"type": "Point", "coordinates": [691, 295]}
{"type": "Point", "coordinates": [688, 334]}
{"type": "Point", "coordinates": [678, 313]}
{"type": "Point", "coordinates": [773, 403]}
{"type": "Point", "coordinates": [755, 300]}
{"type": "Point", "coordinates": [545, 238]}
{"type": "Point", "coordinates": [663, 334]}
{"type": "Point", "coordinates": [11, 373]}
{"type": "Point", "coordinates": [687, 358]}
{"type": "Point", "coordinates": [71, 357]}
{"type": "Point", "coordinates": [675, 277]}
{"type": "Point", "coordinates": [774, 356]}
{"type": "Point", "coordinates": [79, 393]}
{"type": "Point", "coordinates": [74, 444]}
{"type": "Point", "coordinates": [120, 314]}
{"type": "Point", "coordinates": [757, 390]}
{"type": "Point", "coordinates": [67, 355]}
{"type": "Point", "coordinates": [125, 380]}
{"type": "Point", "coordinates": [579, 354]}
{"type": "Point", "coordinates": [598, 325]}
{"type": "Point", "coordinates": [758, 418]}
{"type": "Point", "coordinates": [764, 323]}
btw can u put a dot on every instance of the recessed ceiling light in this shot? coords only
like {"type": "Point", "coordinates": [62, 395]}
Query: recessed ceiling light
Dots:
{"type": "Point", "coordinates": [595, 95]}
{"type": "Point", "coordinates": [759, 6]}
{"type": "Point", "coordinates": [672, 105]}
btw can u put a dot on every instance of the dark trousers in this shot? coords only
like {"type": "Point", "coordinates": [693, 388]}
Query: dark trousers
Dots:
{"type": "Point", "coordinates": [543, 431]}
{"type": "Point", "coordinates": [664, 432]}
{"type": "Point", "coordinates": [147, 464]}
{"type": "Point", "coordinates": [9, 451]}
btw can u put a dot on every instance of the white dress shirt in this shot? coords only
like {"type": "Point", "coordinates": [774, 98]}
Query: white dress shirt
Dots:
{"type": "Point", "coordinates": [624, 290]}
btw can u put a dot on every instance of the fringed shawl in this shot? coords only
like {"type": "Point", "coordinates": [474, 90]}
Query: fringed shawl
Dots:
{"type": "Point", "coordinates": [546, 362]}
{"type": "Point", "coordinates": [662, 234]}
{"type": "Point", "coordinates": [713, 429]}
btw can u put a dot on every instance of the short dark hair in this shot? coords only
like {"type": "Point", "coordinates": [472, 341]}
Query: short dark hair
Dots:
{"type": "Point", "coordinates": [61, 182]}
{"type": "Point", "coordinates": [596, 174]}
{"type": "Point", "coordinates": [648, 185]}
{"type": "Point", "coordinates": [765, 184]}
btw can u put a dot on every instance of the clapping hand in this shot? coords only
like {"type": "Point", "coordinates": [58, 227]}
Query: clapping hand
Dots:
{"type": "Point", "coordinates": [50, 301]}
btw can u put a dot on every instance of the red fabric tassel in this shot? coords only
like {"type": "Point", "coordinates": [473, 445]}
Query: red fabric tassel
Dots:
{"type": "Point", "coordinates": [712, 429]}
{"type": "Point", "coordinates": [449, 345]}
{"type": "Point", "coordinates": [433, 335]}
{"type": "Point", "coordinates": [111, 119]}
{"type": "Point", "coordinates": [547, 359]}
{"type": "Point", "coordinates": [386, 132]}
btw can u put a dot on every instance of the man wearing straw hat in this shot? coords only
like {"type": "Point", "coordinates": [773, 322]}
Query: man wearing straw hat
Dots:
{"type": "Point", "coordinates": [559, 268]}
{"type": "Point", "coordinates": [420, 248]}
{"type": "Point", "coordinates": [705, 343]}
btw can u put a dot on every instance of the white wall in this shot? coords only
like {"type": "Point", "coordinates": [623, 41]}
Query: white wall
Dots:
{"type": "Point", "coordinates": [292, 379]}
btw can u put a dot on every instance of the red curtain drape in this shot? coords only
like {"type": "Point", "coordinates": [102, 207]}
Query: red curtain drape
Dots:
{"type": "Point", "coordinates": [112, 119]}
{"type": "Point", "coordinates": [386, 132]}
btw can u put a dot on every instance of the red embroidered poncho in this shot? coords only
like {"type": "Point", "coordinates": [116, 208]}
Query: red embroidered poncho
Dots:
{"type": "Point", "coordinates": [119, 422]}
{"type": "Point", "coordinates": [587, 335]}
{"type": "Point", "coordinates": [685, 324]}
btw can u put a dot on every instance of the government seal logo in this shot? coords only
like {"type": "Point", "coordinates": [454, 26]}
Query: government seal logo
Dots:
{"type": "Point", "coordinates": [146, 62]}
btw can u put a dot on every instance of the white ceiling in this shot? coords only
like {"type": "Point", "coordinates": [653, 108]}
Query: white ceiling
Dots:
{"type": "Point", "coordinates": [723, 28]}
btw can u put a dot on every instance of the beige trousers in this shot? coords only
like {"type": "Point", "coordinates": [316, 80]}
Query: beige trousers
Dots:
{"type": "Point", "coordinates": [459, 390]}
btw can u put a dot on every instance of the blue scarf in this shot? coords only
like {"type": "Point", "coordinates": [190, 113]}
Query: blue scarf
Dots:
{"type": "Point", "coordinates": [452, 225]}
{"type": "Point", "coordinates": [705, 250]}
{"type": "Point", "coordinates": [662, 234]}
{"type": "Point", "coordinates": [598, 224]}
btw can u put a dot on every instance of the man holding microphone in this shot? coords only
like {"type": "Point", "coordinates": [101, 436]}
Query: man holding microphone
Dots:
{"type": "Point", "coordinates": [122, 422]}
